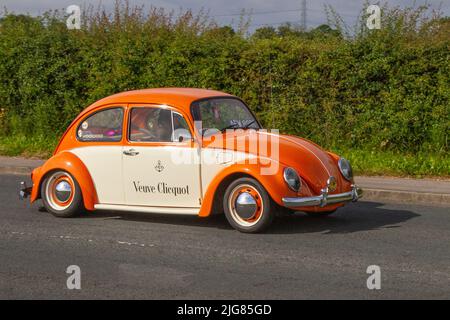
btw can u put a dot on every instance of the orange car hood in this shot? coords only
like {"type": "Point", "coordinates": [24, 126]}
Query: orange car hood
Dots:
{"type": "Point", "coordinates": [313, 164]}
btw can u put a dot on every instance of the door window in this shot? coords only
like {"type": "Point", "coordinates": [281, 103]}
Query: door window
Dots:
{"type": "Point", "coordinates": [150, 125]}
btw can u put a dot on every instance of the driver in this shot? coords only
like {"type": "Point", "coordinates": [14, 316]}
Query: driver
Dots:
{"type": "Point", "coordinates": [164, 126]}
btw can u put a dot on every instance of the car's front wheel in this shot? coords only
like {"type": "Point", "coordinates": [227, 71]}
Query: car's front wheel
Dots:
{"type": "Point", "coordinates": [247, 205]}
{"type": "Point", "coordinates": [61, 195]}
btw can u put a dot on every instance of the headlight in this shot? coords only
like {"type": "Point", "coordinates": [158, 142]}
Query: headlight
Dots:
{"type": "Point", "coordinates": [292, 179]}
{"type": "Point", "coordinates": [345, 168]}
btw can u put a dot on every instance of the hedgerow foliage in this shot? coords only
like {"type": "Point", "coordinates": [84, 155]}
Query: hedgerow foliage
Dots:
{"type": "Point", "coordinates": [383, 90]}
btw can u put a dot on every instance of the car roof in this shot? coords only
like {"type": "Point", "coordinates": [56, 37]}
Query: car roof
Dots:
{"type": "Point", "coordinates": [177, 97]}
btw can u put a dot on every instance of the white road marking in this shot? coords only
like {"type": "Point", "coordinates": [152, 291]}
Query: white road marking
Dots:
{"type": "Point", "coordinates": [66, 237]}
{"type": "Point", "coordinates": [134, 244]}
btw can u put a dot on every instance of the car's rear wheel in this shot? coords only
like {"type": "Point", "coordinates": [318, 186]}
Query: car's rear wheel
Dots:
{"type": "Point", "coordinates": [247, 205]}
{"type": "Point", "coordinates": [61, 195]}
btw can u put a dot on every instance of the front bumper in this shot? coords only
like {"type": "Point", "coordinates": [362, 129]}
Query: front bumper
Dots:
{"type": "Point", "coordinates": [24, 191]}
{"type": "Point", "coordinates": [324, 199]}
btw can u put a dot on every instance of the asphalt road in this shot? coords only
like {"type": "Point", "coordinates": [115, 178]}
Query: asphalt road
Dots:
{"type": "Point", "coordinates": [123, 255]}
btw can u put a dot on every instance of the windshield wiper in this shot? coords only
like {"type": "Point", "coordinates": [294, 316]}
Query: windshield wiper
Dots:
{"type": "Point", "coordinates": [248, 124]}
{"type": "Point", "coordinates": [236, 126]}
{"type": "Point", "coordinates": [231, 126]}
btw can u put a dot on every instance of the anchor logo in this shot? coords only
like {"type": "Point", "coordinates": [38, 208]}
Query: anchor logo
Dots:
{"type": "Point", "coordinates": [159, 167]}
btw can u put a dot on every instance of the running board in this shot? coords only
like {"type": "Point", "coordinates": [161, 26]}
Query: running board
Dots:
{"type": "Point", "coordinates": [164, 210]}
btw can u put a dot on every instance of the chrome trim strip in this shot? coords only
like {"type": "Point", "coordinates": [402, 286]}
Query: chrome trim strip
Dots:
{"type": "Point", "coordinates": [324, 198]}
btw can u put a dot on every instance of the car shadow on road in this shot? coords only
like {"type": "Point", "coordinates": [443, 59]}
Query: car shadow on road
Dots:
{"type": "Point", "coordinates": [363, 216]}
{"type": "Point", "coordinates": [214, 221]}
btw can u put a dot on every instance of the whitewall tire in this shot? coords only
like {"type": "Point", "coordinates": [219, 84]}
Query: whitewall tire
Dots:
{"type": "Point", "coordinates": [247, 205]}
{"type": "Point", "coordinates": [61, 194]}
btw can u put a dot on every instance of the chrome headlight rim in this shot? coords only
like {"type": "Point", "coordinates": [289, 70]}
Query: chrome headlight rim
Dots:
{"type": "Point", "coordinates": [286, 175]}
{"type": "Point", "coordinates": [347, 173]}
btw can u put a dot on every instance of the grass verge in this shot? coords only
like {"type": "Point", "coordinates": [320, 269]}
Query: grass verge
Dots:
{"type": "Point", "coordinates": [38, 146]}
{"type": "Point", "coordinates": [388, 163]}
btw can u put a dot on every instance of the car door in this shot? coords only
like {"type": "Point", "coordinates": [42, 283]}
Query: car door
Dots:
{"type": "Point", "coordinates": [100, 137]}
{"type": "Point", "coordinates": [160, 159]}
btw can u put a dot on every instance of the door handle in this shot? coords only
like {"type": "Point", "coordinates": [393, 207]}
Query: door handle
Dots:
{"type": "Point", "coordinates": [130, 152]}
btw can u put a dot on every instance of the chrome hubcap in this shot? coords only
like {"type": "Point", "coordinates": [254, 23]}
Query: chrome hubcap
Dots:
{"type": "Point", "coordinates": [59, 191]}
{"type": "Point", "coordinates": [63, 190]}
{"type": "Point", "coordinates": [246, 205]}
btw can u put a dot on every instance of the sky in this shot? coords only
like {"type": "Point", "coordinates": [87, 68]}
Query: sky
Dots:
{"type": "Point", "coordinates": [226, 12]}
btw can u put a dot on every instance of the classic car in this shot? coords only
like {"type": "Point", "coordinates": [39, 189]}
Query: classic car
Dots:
{"type": "Point", "coordinates": [187, 151]}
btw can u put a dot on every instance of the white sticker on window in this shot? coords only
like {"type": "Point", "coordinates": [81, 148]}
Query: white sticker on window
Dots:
{"type": "Point", "coordinates": [84, 125]}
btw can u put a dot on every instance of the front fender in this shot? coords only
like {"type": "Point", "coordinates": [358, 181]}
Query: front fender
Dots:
{"type": "Point", "coordinates": [274, 184]}
{"type": "Point", "coordinates": [69, 162]}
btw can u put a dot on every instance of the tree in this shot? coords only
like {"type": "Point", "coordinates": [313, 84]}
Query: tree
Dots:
{"type": "Point", "coordinates": [266, 32]}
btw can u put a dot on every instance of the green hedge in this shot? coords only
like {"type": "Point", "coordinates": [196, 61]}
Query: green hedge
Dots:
{"type": "Point", "coordinates": [381, 91]}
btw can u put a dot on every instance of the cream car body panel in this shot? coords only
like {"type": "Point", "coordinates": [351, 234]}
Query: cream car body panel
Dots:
{"type": "Point", "coordinates": [215, 160]}
{"type": "Point", "coordinates": [156, 176]}
{"type": "Point", "coordinates": [104, 164]}
{"type": "Point", "coordinates": [148, 178]}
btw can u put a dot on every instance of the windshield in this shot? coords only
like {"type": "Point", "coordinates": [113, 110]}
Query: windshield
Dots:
{"type": "Point", "coordinates": [223, 113]}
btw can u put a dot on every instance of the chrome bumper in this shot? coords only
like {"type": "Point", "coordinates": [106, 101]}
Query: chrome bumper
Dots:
{"type": "Point", "coordinates": [24, 191]}
{"type": "Point", "coordinates": [324, 199]}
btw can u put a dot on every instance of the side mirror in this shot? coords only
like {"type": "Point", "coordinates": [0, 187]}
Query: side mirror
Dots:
{"type": "Point", "coordinates": [182, 135]}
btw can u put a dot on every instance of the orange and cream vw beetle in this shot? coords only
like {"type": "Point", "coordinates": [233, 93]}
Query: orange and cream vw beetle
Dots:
{"type": "Point", "coordinates": [187, 151]}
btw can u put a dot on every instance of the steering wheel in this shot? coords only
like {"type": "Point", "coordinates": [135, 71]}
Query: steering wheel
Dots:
{"type": "Point", "coordinates": [148, 136]}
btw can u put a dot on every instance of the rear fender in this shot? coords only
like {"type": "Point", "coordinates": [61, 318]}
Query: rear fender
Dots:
{"type": "Point", "coordinates": [69, 162]}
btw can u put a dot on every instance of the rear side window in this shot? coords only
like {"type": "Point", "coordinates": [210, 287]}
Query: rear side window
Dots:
{"type": "Point", "coordinates": [105, 125]}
